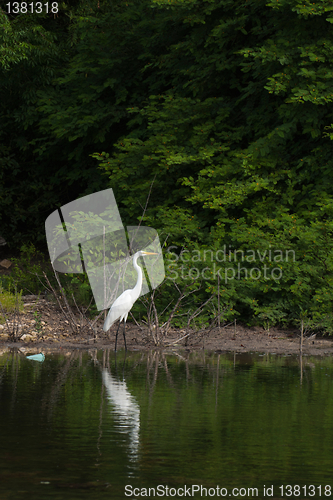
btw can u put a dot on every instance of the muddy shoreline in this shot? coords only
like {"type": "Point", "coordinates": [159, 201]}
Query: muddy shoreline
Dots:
{"type": "Point", "coordinates": [46, 329]}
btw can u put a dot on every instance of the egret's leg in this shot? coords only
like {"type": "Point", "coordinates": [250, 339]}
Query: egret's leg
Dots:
{"type": "Point", "coordinates": [115, 347]}
{"type": "Point", "coordinates": [124, 336]}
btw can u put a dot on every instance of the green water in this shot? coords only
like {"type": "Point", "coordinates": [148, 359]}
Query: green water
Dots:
{"type": "Point", "coordinates": [82, 425]}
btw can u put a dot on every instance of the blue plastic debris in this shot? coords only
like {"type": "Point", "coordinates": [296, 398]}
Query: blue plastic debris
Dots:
{"type": "Point", "coordinates": [37, 357]}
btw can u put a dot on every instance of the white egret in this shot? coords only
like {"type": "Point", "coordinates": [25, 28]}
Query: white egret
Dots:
{"type": "Point", "coordinates": [124, 303]}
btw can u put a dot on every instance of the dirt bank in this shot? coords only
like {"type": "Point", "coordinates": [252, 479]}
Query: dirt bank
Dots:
{"type": "Point", "coordinates": [45, 327]}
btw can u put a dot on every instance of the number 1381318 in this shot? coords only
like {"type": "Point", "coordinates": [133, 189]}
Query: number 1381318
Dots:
{"type": "Point", "coordinates": [33, 7]}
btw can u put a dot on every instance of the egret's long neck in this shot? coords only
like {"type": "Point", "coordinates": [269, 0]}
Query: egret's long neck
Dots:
{"type": "Point", "coordinates": [138, 286]}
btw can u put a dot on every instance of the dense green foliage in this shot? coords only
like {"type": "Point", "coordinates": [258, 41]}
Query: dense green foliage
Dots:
{"type": "Point", "coordinates": [223, 107]}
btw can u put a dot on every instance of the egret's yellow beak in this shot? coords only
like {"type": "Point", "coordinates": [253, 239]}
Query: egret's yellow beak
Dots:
{"type": "Point", "coordinates": [149, 253]}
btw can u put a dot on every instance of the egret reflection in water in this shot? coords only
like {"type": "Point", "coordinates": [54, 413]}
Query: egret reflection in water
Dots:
{"type": "Point", "coordinates": [126, 408]}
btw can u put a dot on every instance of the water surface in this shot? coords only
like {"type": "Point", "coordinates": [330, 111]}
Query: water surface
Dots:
{"type": "Point", "coordinates": [82, 425]}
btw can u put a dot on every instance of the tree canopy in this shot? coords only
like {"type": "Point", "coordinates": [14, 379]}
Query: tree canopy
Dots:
{"type": "Point", "coordinates": [221, 108]}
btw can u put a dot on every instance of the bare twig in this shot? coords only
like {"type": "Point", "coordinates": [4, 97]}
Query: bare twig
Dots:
{"type": "Point", "coordinates": [135, 321]}
{"type": "Point", "coordinates": [178, 340]}
{"type": "Point", "coordinates": [83, 317]}
{"type": "Point", "coordinates": [85, 323]}
{"type": "Point", "coordinates": [144, 211]}
{"type": "Point", "coordinates": [198, 311]}
{"type": "Point", "coordinates": [156, 333]}
{"type": "Point", "coordinates": [68, 315]}
{"type": "Point", "coordinates": [151, 329]}
{"type": "Point", "coordinates": [207, 332]}
{"type": "Point", "coordinates": [180, 298]}
{"type": "Point", "coordinates": [166, 309]}
{"type": "Point", "coordinates": [218, 299]}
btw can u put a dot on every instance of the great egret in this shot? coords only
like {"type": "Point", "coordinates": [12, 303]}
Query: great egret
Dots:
{"type": "Point", "coordinates": [124, 303]}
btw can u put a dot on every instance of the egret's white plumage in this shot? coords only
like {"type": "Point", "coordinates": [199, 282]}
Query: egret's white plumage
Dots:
{"type": "Point", "coordinates": [124, 303]}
